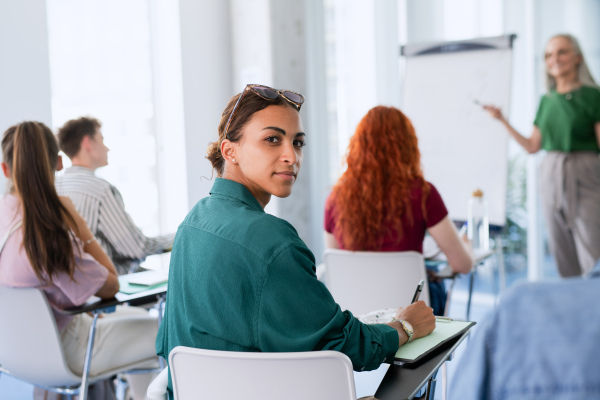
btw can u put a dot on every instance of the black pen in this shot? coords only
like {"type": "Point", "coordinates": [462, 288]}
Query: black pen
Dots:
{"type": "Point", "coordinates": [418, 291]}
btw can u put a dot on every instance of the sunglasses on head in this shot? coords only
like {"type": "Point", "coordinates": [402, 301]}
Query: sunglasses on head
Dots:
{"type": "Point", "coordinates": [267, 93]}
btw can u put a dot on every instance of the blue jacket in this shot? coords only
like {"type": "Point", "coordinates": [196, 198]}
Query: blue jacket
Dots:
{"type": "Point", "coordinates": [542, 342]}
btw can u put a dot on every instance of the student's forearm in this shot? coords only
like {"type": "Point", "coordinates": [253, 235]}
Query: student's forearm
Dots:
{"type": "Point", "coordinates": [91, 245]}
{"type": "Point", "coordinates": [520, 139]}
{"type": "Point", "coordinates": [111, 286]}
{"type": "Point", "coordinates": [464, 259]}
{"type": "Point", "coordinates": [402, 337]}
{"type": "Point", "coordinates": [95, 250]}
{"type": "Point", "coordinates": [458, 253]}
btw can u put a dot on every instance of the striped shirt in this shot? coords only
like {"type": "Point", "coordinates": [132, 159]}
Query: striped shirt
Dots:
{"type": "Point", "coordinates": [102, 207]}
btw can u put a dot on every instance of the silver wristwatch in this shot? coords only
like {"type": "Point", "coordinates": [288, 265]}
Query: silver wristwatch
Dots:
{"type": "Point", "coordinates": [407, 328]}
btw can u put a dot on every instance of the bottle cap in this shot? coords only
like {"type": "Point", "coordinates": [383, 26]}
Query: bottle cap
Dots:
{"type": "Point", "coordinates": [477, 193]}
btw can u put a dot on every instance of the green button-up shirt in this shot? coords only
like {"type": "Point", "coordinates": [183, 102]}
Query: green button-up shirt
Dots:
{"type": "Point", "coordinates": [243, 280]}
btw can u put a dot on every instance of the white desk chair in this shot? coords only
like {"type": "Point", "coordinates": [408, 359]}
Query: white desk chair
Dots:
{"type": "Point", "coordinates": [157, 390]}
{"type": "Point", "coordinates": [364, 281]}
{"type": "Point", "coordinates": [30, 347]}
{"type": "Point", "coordinates": [210, 374]}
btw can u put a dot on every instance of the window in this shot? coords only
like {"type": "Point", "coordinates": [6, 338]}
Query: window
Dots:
{"type": "Point", "coordinates": [100, 62]}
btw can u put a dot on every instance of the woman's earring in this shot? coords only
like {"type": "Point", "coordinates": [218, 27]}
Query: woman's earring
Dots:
{"type": "Point", "coordinates": [233, 160]}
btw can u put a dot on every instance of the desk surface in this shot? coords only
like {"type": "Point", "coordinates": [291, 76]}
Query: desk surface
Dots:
{"type": "Point", "coordinates": [446, 273]}
{"type": "Point", "coordinates": [400, 383]}
{"type": "Point", "coordinates": [95, 303]}
{"type": "Point", "coordinates": [480, 256]}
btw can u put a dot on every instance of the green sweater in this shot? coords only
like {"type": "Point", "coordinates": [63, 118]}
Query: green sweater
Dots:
{"type": "Point", "coordinates": [242, 280]}
{"type": "Point", "coordinates": [566, 120]}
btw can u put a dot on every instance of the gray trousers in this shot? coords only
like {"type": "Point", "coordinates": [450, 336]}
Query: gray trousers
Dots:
{"type": "Point", "coordinates": [570, 194]}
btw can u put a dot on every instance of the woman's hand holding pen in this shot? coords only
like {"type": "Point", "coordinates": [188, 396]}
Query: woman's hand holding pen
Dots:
{"type": "Point", "coordinates": [494, 112]}
{"type": "Point", "coordinates": [420, 316]}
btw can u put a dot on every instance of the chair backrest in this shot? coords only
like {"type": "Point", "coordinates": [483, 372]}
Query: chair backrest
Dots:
{"type": "Point", "coordinates": [210, 374]}
{"type": "Point", "coordinates": [30, 347]}
{"type": "Point", "coordinates": [365, 281]}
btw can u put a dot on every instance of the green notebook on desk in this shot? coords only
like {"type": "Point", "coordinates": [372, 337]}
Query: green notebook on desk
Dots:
{"type": "Point", "coordinates": [132, 283]}
{"type": "Point", "coordinates": [444, 331]}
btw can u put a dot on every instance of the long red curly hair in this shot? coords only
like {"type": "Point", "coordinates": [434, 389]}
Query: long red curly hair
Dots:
{"type": "Point", "coordinates": [373, 194]}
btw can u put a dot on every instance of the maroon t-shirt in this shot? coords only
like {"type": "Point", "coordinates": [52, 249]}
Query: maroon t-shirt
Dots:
{"type": "Point", "coordinates": [412, 235]}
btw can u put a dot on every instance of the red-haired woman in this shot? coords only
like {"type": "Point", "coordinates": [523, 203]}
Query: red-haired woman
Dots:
{"type": "Point", "coordinates": [382, 202]}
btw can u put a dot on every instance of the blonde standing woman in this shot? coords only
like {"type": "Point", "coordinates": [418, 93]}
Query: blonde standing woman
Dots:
{"type": "Point", "coordinates": [567, 126]}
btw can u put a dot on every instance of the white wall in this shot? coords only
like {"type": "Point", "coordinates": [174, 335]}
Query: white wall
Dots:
{"type": "Point", "coordinates": [288, 46]}
{"type": "Point", "coordinates": [318, 152]}
{"type": "Point", "coordinates": [425, 20]}
{"type": "Point", "coordinates": [206, 76]}
{"type": "Point", "coordinates": [281, 43]}
{"type": "Point", "coordinates": [168, 113]}
{"type": "Point", "coordinates": [24, 65]}
{"type": "Point", "coordinates": [250, 43]}
{"type": "Point", "coordinates": [356, 64]}
{"type": "Point", "coordinates": [387, 52]}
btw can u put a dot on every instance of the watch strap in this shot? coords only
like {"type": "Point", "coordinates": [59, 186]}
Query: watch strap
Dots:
{"type": "Point", "coordinates": [409, 332]}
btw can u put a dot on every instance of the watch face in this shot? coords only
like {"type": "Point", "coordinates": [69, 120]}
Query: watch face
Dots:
{"type": "Point", "coordinates": [408, 325]}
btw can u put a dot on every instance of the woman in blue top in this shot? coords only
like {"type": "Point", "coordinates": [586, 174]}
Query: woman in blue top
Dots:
{"type": "Point", "coordinates": [241, 279]}
{"type": "Point", "coordinates": [567, 126]}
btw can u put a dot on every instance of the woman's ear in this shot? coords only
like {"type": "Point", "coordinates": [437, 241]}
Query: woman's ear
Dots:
{"type": "Point", "coordinates": [6, 170]}
{"type": "Point", "coordinates": [228, 150]}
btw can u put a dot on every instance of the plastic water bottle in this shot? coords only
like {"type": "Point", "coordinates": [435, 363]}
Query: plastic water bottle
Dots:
{"type": "Point", "coordinates": [478, 226]}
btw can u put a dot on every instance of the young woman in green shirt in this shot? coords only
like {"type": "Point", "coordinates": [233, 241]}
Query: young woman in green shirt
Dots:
{"type": "Point", "coordinates": [567, 126]}
{"type": "Point", "coordinates": [241, 279]}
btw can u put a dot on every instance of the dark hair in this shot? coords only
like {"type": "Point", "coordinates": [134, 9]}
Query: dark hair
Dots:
{"type": "Point", "coordinates": [73, 131]}
{"type": "Point", "coordinates": [250, 104]}
{"type": "Point", "coordinates": [31, 152]}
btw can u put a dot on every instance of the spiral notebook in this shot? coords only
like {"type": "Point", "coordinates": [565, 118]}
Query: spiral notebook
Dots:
{"type": "Point", "coordinates": [445, 330]}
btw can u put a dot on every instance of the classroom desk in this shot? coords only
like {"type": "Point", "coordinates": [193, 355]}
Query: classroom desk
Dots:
{"type": "Point", "coordinates": [481, 256]}
{"type": "Point", "coordinates": [136, 299]}
{"type": "Point", "coordinates": [401, 383]}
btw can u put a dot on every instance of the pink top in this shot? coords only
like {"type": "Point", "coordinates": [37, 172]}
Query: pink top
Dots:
{"type": "Point", "coordinates": [16, 271]}
{"type": "Point", "coordinates": [413, 235]}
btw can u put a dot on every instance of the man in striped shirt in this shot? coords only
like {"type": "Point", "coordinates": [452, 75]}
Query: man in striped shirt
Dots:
{"type": "Point", "coordinates": [100, 203]}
